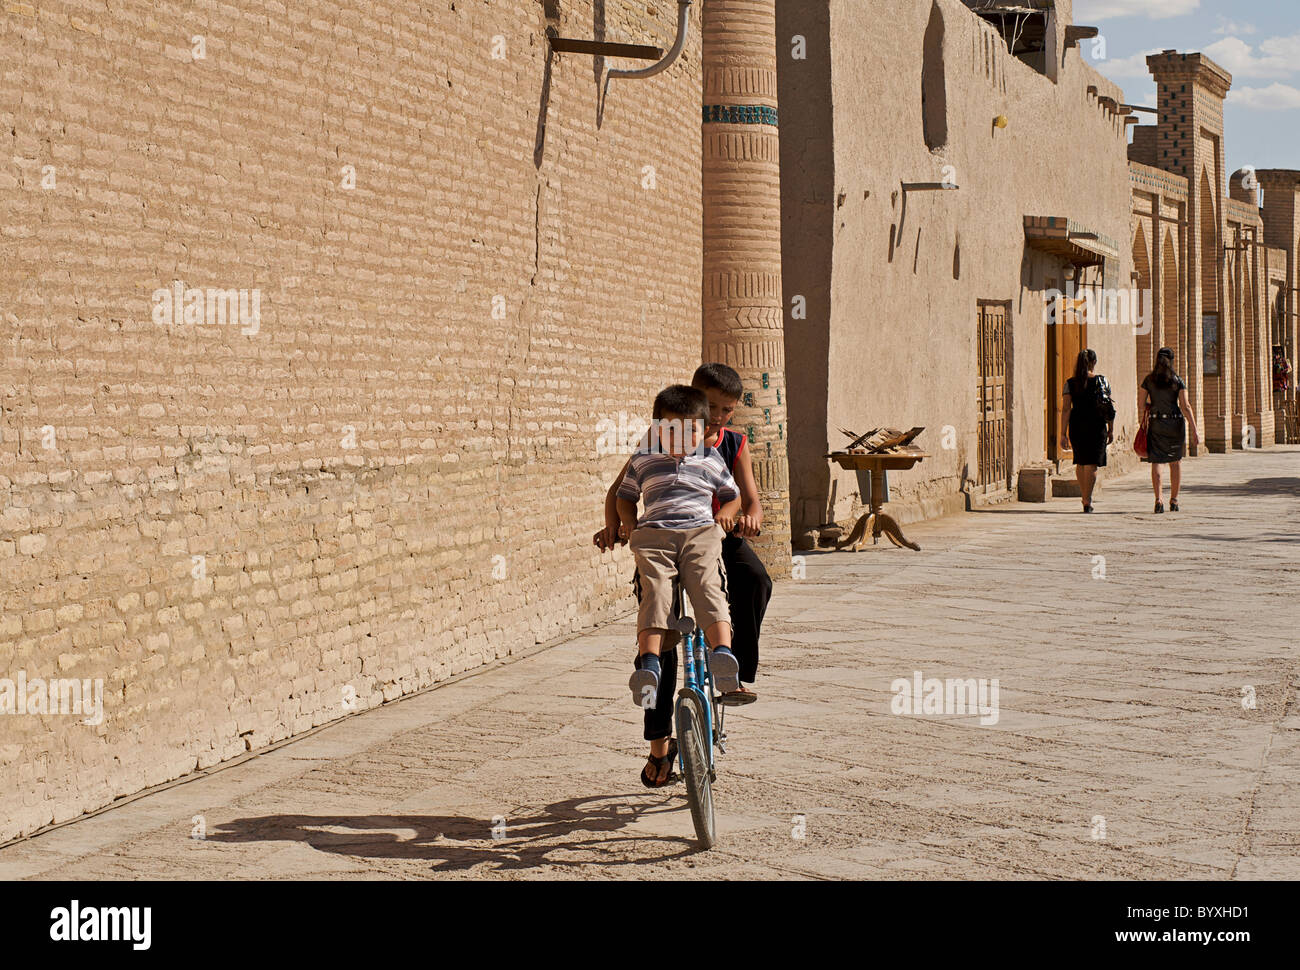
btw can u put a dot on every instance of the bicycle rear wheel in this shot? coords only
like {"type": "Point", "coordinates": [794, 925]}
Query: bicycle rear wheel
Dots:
{"type": "Point", "coordinates": [693, 735]}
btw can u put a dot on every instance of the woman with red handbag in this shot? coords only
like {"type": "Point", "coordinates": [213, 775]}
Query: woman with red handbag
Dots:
{"type": "Point", "coordinates": [1166, 420]}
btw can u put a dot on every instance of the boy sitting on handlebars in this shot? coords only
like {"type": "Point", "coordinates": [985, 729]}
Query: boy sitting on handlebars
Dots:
{"type": "Point", "coordinates": [678, 534]}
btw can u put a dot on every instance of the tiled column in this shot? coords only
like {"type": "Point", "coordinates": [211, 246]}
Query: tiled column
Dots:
{"type": "Point", "coordinates": [743, 307]}
{"type": "Point", "coordinates": [1189, 142]}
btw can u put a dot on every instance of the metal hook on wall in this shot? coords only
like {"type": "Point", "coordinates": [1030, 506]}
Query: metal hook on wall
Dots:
{"type": "Point", "coordinates": [683, 29]}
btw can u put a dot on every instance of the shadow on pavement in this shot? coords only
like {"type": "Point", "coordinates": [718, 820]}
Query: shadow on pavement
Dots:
{"type": "Point", "coordinates": [456, 843]}
{"type": "Point", "coordinates": [1256, 486]}
{"type": "Point", "coordinates": [1274, 537]}
{"type": "Point", "coordinates": [1047, 510]}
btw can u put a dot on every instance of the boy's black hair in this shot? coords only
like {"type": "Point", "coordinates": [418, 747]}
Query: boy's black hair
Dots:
{"type": "Point", "coordinates": [718, 377]}
{"type": "Point", "coordinates": [682, 402]}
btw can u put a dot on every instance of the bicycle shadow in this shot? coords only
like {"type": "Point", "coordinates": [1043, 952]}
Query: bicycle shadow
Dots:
{"type": "Point", "coordinates": [456, 843]}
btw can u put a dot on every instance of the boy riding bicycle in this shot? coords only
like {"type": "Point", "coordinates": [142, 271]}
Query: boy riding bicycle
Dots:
{"type": "Point", "coordinates": [678, 536]}
{"type": "Point", "coordinates": [748, 585]}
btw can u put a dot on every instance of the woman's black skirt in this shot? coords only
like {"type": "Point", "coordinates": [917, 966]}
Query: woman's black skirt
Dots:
{"type": "Point", "coordinates": [1088, 439]}
{"type": "Point", "coordinates": [1165, 438]}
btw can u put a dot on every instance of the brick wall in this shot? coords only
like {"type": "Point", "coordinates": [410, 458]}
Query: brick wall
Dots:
{"type": "Point", "coordinates": [1142, 149]}
{"type": "Point", "coordinates": [393, 475]}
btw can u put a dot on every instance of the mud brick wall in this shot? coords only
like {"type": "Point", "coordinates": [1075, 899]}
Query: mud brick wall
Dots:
{"type": "Point", "coordinates": [394, 475]}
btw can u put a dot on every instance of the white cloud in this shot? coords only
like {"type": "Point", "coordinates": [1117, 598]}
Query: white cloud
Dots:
{"type": "Point", "coordinates": [1145, 97]}
{"type": "Point", "coordinates": [1275, 57]}
{"type": "Point", "coordinates": [1090, 11]}
{"type": "Point", "coordinates": [1275, 97]}
{"type": "Point", "coordinates": [1232, 28]}
{"type": "Point", "coordinates": [1134, 65]}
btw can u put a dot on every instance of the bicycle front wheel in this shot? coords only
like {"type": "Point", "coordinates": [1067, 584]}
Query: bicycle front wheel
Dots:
{"type": "Point", "coordinates": [693, 734]}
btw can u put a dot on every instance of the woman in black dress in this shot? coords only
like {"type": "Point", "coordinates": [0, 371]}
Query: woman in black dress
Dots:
{"type": "Point", "coordinates": [1087, 424]}
{"type": "Point", "coordinates": [1168, 417]}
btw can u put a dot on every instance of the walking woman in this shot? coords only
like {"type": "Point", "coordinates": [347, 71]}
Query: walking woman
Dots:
{"type": "Point", "coordinates": [1087, 422]}
{"type": "Point", "coordinates": [1167, 417]}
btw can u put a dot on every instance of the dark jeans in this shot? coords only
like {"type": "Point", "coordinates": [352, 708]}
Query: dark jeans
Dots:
{"type": "Point", "coordinates": [748, 590]}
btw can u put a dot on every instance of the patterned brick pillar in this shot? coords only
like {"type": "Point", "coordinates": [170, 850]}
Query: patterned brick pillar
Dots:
{"type": "Point", "coordinates": [1282, 231]}
{"type": "Point", "coordinates": [1189, 142]}
{"type": "Point", "coordinates": [743, 308]}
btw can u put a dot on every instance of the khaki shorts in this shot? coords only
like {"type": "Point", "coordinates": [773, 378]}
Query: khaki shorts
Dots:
{"type": "Point", "coordinates": [661, 554]}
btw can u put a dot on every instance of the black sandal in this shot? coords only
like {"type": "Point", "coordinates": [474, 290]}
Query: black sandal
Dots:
{"type": "Point", "coordinates": [659, 763]}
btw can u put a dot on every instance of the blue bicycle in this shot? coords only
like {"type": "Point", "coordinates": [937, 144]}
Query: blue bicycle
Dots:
{"type": "Point", "coordinates": [699, 720]}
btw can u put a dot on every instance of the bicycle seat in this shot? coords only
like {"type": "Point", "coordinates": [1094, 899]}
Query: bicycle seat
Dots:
{"type": "Point", "coordinates": [683, 622]}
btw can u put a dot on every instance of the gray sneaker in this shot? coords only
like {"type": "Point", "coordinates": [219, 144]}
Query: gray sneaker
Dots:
{"type": "Point", "coordinates": [644, 684]}
{"type": "Point", "coordinates": [725, 669]}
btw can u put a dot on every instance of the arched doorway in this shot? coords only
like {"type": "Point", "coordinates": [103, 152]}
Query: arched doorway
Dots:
{"type": "Point", "coordinates": [1142, 268]}
{"type": "Point", "coordinates": [1209, 248]}
{"type": "Point", "coordinates": [1172, 326]}
{"type": "Point", "coordinates": [1209, 397]}
{"type": "Point", "coordinates": [1255, 372]}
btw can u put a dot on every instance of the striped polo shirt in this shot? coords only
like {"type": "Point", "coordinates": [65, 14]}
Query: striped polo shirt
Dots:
{"type": "Point", "coordinates": [678, 492]}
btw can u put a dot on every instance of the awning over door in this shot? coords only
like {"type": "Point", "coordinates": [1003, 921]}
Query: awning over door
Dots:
{"type": "Point", "coordinates": [1070, 240]}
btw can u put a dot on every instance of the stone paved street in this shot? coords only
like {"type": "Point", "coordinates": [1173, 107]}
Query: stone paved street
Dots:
{"type": "Point", "coordinates": [1121, 706]}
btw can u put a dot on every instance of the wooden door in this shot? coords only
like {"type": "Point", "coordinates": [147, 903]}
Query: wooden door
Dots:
{"type": "Point", "coordinates": [992, 394]}
{"type": "Point", "coordinates": [1066, 338]}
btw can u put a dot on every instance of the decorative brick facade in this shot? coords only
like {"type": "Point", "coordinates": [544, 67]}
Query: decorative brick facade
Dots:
{"type": "Point", "coordinates": [1184, 206]}
{"type": "Point", "coordinates": [1190, 89]}
{"type": "Point", "coordinates": [1281, 218]}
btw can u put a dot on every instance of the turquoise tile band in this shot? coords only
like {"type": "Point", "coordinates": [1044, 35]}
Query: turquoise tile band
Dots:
{"type": "Point", "coordinates": [740, 114]}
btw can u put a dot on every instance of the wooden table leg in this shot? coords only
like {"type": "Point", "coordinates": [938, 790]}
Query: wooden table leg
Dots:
{"type": "Point", "coordinates": [875, 522]}
{"type": "Point", "coordinates": [858, 534]}
{"type": "Point", "coordinates": [895, 534]}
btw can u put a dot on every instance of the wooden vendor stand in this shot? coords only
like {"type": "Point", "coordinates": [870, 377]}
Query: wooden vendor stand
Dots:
{"type": "Point", "coordinates": [875, 520]}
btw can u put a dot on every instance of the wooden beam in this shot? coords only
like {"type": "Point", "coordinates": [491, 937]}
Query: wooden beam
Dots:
{"type": "Point", "coordinates": [571, 45]}
{"type": "Point", "coordinates": [1074, 34]}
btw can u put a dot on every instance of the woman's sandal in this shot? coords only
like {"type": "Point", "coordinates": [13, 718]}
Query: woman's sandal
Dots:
{"type": "Point", "coordinates": [659, 763]}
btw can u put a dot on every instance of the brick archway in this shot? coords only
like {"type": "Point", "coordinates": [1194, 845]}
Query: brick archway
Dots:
{"type": "Point", "coordinates": [1142, 267]}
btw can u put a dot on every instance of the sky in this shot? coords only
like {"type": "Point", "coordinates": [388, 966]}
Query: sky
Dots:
{"type": "Point", "coordinates": [1256, 41]}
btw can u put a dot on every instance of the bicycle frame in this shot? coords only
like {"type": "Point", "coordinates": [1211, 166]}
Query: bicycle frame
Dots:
{"type": "Point", "coordinates": [698, 679]}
